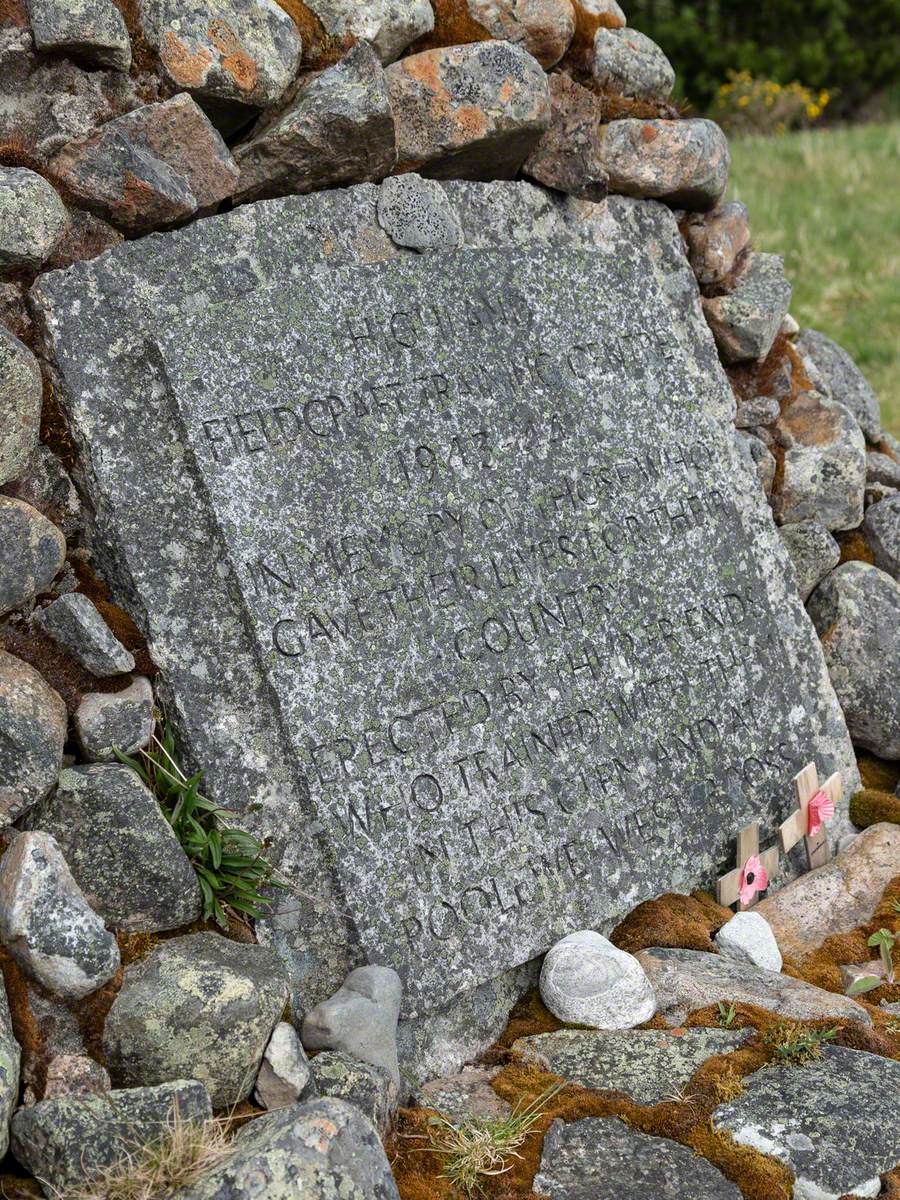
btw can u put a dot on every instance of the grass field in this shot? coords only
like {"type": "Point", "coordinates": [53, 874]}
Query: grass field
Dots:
{"type": "Point", "coordinates": [829, 201]}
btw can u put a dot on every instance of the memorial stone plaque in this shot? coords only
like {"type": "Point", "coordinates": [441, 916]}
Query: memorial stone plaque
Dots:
{"type": "Point", "coordinates": [506, 615]}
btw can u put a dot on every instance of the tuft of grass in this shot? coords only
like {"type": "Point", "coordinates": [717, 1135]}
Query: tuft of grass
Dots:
{"type": "Point", "coordinates": [727, 1014]}
{"type": "Point", "coordinates": [794, 1045]}
{"type": "Point", "coordinates": [182, 1154]}
{"type": "Point", "coordinates": [826, 200]}
{"type": "Point", "coordinates": [477, 1150]}
{"type": "Point", "coordinates": [230, 863]}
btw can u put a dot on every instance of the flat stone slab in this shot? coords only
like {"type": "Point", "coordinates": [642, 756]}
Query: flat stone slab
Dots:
{"type": "Point", "coordinates": [455, 580]}
{"type": "Point", "coordinates": [647, 1064]}
{"type": "Point", "coordinates": [835, 1121]}
{"type": "Point", "coordinates": [605, 1159]}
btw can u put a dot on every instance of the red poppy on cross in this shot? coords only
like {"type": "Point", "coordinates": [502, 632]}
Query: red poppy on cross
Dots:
{"type": "Point", "coordinates": [750, 877]}
{"type": "Point", "coordinates": [816, 806]}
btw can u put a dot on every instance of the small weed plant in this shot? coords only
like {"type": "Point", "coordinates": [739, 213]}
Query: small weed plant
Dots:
{"type": "Point", "coordinates": [478, 1149]}
{"type": "Point", "coordinates": [230, 863]}
{"type": "Point", "coordinates": [884, 940]}
{"type": "Point", "coordinates": [727, 1014]}
{"type": "Point", "coordinates": [794, 1044]}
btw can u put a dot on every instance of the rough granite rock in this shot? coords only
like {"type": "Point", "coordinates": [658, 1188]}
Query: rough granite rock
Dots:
{"type": "Point", "coordinates": [415, 212]}
{"type": "Point", "coordinates": [837, 897]}
{"type": "Point", "coordinates": [10, 1062]}
{"type": "Point", "coordinates": [881, 529]}
{"type": "Point", "coordinates": [542, 27]}
{"type": "Point", "coordinates": [20, 405]}
{"type": "Point", "coordinates": [46, 486]}
{"type": "Point", "coordinates": [745, 321]}
{"type": "Point", "coordinates": [473, 111]}
{"type": "Point", "coordinates": [842, 379]}
{"type": "Point", "coordinates": [813, 551]}
{"type": "Point", "coordinates": [360, 1018]}
{"type": "Point", "coordinates": [716, 240]}
{"type": "Point", "coordinates": [345, 1077]}
{"type": "Point", "coordinates": [835, 1121]}
{"type": "Point", "coordinates": [32, 735]}
{"type": "Point", "coordinates": [224, 52]}
{"type": "Point", "coordinates": [759, 410]}
{"type": "Point", "coordinates": [75, 1074]}
{"type": "Point", "coordinates": [685, 163]}
{"type": "Point", "coordinates": [464, 1097]}
{"type": "Point", "coordinates": [759, 457]}
{"type": "Point", "coordinates": [605, 1159]}
{"type": "Point", "coordinates": [120, 848]}
{"type": "Point", "coordinates": [567, 158]}
{"type": "Point", "coordinates": [685, 980]}
{"type": "Point", "coordinates": [73, 623]}
{"type": "Point", "coordinates": [107, 721]}
{"type": "Point", "coordinates": [856, 611]}
{"type": "Point", "coordinates": [46, 923]}
{"type": "Point", "coordinates": [152, 167]}
{"type": "Point", "coordinates": [65, 1140]}
{"type": "Point", "coordinates": [390, 26]}
{"type": "Point", "coordinates": [881, 468]}
{"type": "Point", "coordinates": [629, 63]}
{"type": "Point", "coordinates": [648, 1065]}
{"type": "Point", "coordinates": [284, 1073]}
{"type": "Point", "coordinates": [32, 550]}
{"type": "Point", "coordinates": [320, 1150]}
{"type": "Point", "coordinates": [91, 30]}
{"type": "Point", "coordinates": [586, 980]}
{"type": "Point", "coordinates": [197, 1004]}
{"type": "Point", "coordinates": [338, 130]}
{"type": "Point", "coordinates": [824, 465]}
{"type": "Point", "coordinates": [32, 219]}
{"type": "Point", "coordinates": [748, 938]}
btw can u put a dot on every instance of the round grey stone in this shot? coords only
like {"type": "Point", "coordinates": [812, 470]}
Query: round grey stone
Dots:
{"type": "Point", "coordinates": [32, 550]}
{"type": "Point", "coordinates": [586, 980]}
{"type": "Point", "coordinates": [882, 531]}
{"type": "Point", "coordinates": [415, 212]}
{"type": "Point", "coordinates": [32, 735]}
{"type": "Point", "coordinates": [32, 219]}
{"type": "Point", "coordinates": [881, 468]}
{"type": "Point", "coordinates": [628, 62]}
{"type": "Point", "coordinates": [20, 405]}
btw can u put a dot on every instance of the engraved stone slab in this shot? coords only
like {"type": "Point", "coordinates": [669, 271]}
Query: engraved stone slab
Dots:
{"type": "Point", "coordinates": [458, 586]}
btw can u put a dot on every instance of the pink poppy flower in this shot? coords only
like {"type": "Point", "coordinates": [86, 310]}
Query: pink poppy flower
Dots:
{"type": "Point", "coordinates": [754, 878]}
{"type": "Point", "coordinates": [821, 809]}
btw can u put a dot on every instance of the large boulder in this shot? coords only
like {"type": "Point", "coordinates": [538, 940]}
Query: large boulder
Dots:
{"type": "Point", "coordinates": [198, 1005]}
{"type": "Point", "coordinates": [839, 377]}
{"type": "Point", "coordinates": [542, 27]}
{"type": "Point", "coordinates": [91, 30]}
{"type": "Point", "coordinates": [856, 612]}
{"type": "Point", "coordinates": [389, 26]}
{"type": "Point", "coordinates": [629, 63]}
{"type": "Point", "coordinates": [32, 736]}
{"type": "Point", "coordinates": [120, 848]}
{"type": "Point", "coordinates": [472, 112]}
{"type": "Point", "coordinates": [746, 319]}
{"type": "Point", "coordinates": [20, 405]}
{"type": "Point", "coordinates": [32, 219]}
{"type": "Point", "coordinates": [685, 163]}
{"type": "Point", "coordinates": [881, 529]}
{"type": "Point", "coordinates": [32, 551]}
{"type": "Point", "coordinates": [338, 130]}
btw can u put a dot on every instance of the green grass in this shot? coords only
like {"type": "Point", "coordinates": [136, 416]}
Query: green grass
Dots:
{"type": "Point", "coordinates": [829, 201]}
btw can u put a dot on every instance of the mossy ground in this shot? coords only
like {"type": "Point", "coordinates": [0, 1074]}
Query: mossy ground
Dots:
{"type": "Point", "coordinates": [877, 800]}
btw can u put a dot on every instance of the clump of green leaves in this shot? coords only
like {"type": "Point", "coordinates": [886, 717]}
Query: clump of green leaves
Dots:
{"type": "Point", "coordinates": [477, 1149]}
{"type": "Point", "coordinates": [230, 863]}
{"type": "Point", "coordinates": [795, 1044]}
{"type": "Point", "coordinates": [727, 1014]}
{"type": "Point", "coordinates": [885, 941]}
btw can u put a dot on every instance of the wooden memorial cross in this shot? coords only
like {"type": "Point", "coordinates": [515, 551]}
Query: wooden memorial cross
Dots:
{"type": "Point", "coordinates": [728, 888]}
{"type": "Point", "coordinates": [823, 799]}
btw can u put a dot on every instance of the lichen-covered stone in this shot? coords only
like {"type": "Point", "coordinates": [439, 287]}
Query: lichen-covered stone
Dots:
{"type": "Point", "coordinates": [568, 157]}
{"type": "Point", "coordinates": [813, 551]}
{"type": "Point", "coordinates": [120, 848]}
{"type": "Point", "coordinates": [465, 1097]}
{"type": "Point", "coordinates": [32, 735]}
{"type": "Point", "coordinates": [46, 486]}
{"type": "Point", "coordinates": [542, 27]}
{"type": "Point", "coordinates": [716, 240]}
{"type": "Point", "coordinates": [64, 1141]}
{"type": "Point", "coordinates": [150, 168]}
{"type": "Point", "coordinates": [338, 130]}
{"type": "Point", "coordinates": [586, 980]}
{"type": "Point", "coordinates": [823, 476]}
{"type": "Point", "coordinates": [46, 923]}
{"type": "Point", "coordinates": [360, 1018]}
{"type": "Point", "coordinates": [883, 469]}
{"type": "Point", "coordinates": [10, 1062]}
{"type": "Point", "coordinates": [835, 1121]}
{"type": "Point", "coordinates": [109, 721]}
{"type": "Point", "coordinates": [759, 456]}
{"type": "Point", "coordinates": [626, 61]}
{"type": "Point", "coordinates": [239, 52]}
{"type": "Point", "coordinates": [472, 112]}
{"type": "Point", "coordinates": [856, 611]}
{"type": "Point", "coordinates": [745, 321]}
{"type": "Point", "coordinates": [20, 405]}
{"type": "Point", "coordinates": [390, 26]}
{"type": "Point", "coordinates": [32, 219]}
{"type": "Point", "coordinates": [648, 1065]}
{"type": "Point", "coordinates": [881, 529]}
{"type": "Point", "coordinates": [73, 623]}
{"type": "Point", "coordinates": [685, 163]}
{"type": "Point", "coordinates": [198, 1005]}
{"type": "Point", "coordinates": [75, 1074]}
{"type": "Point", "coordinates": [748, 938]}
{"type": "Point", "coordinates": [284, 1074]}
{"type": "Point", "coordinates": [415, 212]}
{"type": "Point", "coordinates": [32, 550]}
{"type": "Point", "coordinates": [605, 1159]}
{"type": "Point", "coordinates": [757, 411]}
{"type": "Point", "coordinates": [685, 980]}
{"type": "Point", "coordinates": [842, 379]}
{"type": "Point", "coordinates": [345, 1077]}
{"type": "Point", "coordinates": [92, 30]}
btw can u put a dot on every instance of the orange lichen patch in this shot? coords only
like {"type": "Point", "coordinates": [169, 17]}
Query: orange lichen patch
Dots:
{"type": "Point", "coordinates": [890, 1186]}
{"type": "Point", "coordinates": [809, 421]}
{"type": "Point", "coordinates": [320, 48]}
{"type": "Point", "coordinates": [235, 59]}
{"type": "Point", "coordinates": [854, 547]}
{"type": "Point", "coordinates": [683, 922]}
{"type": "Point", "coordinates": [760, 379]}
{"type": "Point", "coordinates": [454, 25]}
{"type": "Point", "coordinates": [870, 807]}
{"type": "Point", "coordinates": [188, 68]}
{"type": "Point", "coordinates": [620, 108]}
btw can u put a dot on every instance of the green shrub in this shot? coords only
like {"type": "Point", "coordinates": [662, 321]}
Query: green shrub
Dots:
{"type": "Point", "coordinates": [762, 106]}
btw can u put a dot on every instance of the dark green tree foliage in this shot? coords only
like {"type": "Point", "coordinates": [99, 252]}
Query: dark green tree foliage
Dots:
{"type": "Point", "coordinates": [845, 46]}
